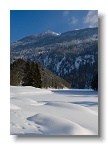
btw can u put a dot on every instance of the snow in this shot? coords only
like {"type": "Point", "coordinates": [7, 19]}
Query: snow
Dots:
{"type": "Point", "coordinates": [87, 56]}
{"type": "Point", "coordinates": [53, 33]}
{"type": "Point", "coordinates": [59, 63]}
{"type": "Point", "coordinates": [95, 35]}
{"type": "Point", "coordinates": [41, 52]}
{"type": "Point", "coordinates": [37, 111]}
{"type": "Point", "coordinates": [77, 62]}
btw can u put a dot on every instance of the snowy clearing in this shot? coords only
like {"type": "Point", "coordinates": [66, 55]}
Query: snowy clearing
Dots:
{"type": "Point", "coordinates": [40, 112]}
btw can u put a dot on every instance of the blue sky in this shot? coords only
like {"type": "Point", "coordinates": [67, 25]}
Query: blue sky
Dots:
{"type": "Point", "coordinates": [27, 22]}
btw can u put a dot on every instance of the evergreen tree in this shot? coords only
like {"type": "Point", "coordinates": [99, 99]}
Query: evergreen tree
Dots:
{"type": "Point", "coordinates": [36, 76]}
{"type": "Point", "coordinates": [94, 83]}
{"type": "Point", "coordinates": [29, 73]}
{"type": "Point", "coordinates": [27, 79]}
{"type": "Point", "coordinates": [16, 71]}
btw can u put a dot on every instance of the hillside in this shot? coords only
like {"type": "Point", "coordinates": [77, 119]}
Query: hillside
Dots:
{"type": "Point", "coordinates": [29, 73]}
{"type": "Point", "coordinates": [72, 55]}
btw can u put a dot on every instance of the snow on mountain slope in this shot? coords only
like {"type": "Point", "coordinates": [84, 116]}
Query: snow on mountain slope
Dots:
{"type": "Point", "coordinates": [51, 32]}
{"type": "Point", "coordinates": [64, 54]}
{"type": "Point", "coordinates": [53, 112]}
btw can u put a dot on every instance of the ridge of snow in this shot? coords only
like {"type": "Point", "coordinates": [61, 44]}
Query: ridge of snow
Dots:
{"type": "Point", "coordinates": [53, 33]}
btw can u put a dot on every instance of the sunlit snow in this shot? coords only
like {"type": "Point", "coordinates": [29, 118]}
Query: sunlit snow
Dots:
{"type": "Point", "coordinates": [37, 111]}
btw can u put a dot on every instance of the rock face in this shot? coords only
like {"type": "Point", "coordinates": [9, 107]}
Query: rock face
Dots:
{"type": "Point", "coordinates": [71, 55]}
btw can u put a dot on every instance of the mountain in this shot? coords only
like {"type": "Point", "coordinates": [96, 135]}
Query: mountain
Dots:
{"type": "Point", "coordinates": [72, 55]}
{"type": "Point", "coordinates": [29, 73]}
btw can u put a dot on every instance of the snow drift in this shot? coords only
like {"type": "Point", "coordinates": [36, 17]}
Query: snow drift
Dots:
{"type": "Point", "coordinates": [37, 111]}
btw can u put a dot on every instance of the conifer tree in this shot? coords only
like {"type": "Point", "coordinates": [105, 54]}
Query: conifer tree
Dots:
{"type": "Point", "coordinates": [94, 83]}
{"type": "Point", "coordinates": [27, 80]}
{"type": "Point", "coordinates": [36, 76]}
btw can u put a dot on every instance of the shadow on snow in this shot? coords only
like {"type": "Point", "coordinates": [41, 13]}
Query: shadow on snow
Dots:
{"type": "Point", "coordinates": [87, 103]}
{"type": "Point", "coordinates": [85, 93]}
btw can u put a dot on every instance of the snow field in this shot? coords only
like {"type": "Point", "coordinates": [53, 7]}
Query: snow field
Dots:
{"type": "Point", "coordinates": [37, 111]}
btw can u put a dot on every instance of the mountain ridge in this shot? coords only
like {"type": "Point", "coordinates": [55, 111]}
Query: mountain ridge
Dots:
{"type": "Point", "coordinates": [32, 37]}
{"type": "Point", "coordinates": [66, 54]}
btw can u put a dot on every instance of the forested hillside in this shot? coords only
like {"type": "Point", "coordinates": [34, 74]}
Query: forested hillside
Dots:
{"type": "Point", "coordinates": [30, 73]}
{"type": "Point", "coordinates": [72, 55]}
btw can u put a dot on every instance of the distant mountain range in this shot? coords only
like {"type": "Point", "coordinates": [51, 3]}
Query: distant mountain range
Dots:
{"type": "Point", "coordinates": [72, 55]}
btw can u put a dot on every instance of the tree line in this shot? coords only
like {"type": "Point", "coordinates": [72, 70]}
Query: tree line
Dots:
{"type": "Point", "coordinates": [30, 73]}
{"type": "Point", "coordinates": [25, 73]}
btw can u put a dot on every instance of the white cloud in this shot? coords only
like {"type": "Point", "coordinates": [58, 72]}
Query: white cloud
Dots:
{"type": "Point", "coordinates": [73, 20]}
{"type": "Point", "coordinates": [65, 13]}
{"type": "Point", "coordinates": [92, 18]}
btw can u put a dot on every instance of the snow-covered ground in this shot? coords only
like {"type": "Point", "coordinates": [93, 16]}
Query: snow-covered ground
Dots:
{"type": "Point", "coordinates": [37, 111]}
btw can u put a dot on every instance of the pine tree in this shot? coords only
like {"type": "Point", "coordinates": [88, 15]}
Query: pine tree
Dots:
{"type": "Point", "coordinates": [27, 79]}
{"type": "Point", "coordinates": [29, 73]}
{"type": "Point", "coordinates": [36, 76]}
{"type": "Point", "coordinates": [16, 71]}
{"type": "Point", "coordinates": [94, 83]}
